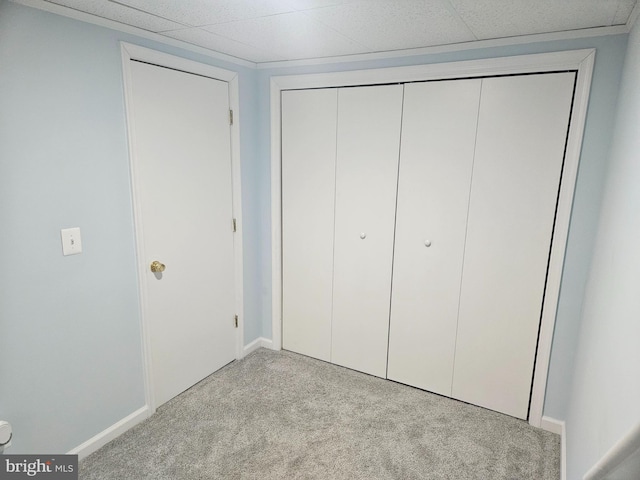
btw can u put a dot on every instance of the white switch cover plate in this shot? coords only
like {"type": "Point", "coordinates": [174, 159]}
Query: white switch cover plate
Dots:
{"type": "Point", "coordinates": [71, 241]}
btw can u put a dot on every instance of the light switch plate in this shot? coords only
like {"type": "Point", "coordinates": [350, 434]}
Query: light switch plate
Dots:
{"type": "Point", "coordinates": [71, 241]}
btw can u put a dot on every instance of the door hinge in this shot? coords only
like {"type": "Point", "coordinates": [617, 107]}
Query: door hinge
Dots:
{"type": "Point", "coordinates": [235, 226]}
{"type": "Point", "coordinates": [235, 320]}
{"type": "Point", "coordinates": [230, 117]}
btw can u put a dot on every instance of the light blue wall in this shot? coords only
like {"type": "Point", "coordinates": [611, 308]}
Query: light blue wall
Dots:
{"type": "Point", "coordinates": [593, 164]}
{"type": "Point", "coordinates": [70, 351]}
{"type": "Point", "coordinates": [605, 398]}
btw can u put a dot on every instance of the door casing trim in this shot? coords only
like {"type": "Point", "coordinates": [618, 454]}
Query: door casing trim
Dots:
{"type": "Point", "coordinates": [135, 52]}
{"type": "Point", "coordinates": [580, 60]}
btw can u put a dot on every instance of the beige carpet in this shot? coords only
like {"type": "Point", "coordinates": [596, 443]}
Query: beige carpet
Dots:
{"type": "Point", "coordinates": [279, 415]}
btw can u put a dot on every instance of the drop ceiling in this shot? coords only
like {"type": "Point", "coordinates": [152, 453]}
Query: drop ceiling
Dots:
{"type": "Point", "coordinates": [277, 30]}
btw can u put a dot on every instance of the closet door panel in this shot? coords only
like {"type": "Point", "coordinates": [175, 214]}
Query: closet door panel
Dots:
{"type": "Point", "coordinates": [438, 139]}
{"type": "Point", "coordinates": [308, 192]}
{"type": "Point", "coordinates": [369, 122]}
{"type": "Point", "coordinates": [522, 129]}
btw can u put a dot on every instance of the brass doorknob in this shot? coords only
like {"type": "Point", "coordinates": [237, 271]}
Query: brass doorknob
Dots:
{"type": "Point", "coordinates": [157, 267]}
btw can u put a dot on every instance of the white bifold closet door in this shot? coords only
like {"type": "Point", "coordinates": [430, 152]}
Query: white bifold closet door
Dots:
{"type": "Point", "coordinates": [455, 306]}
{"type": "Point", "coordinates": [368, 142]}
{"type": "Point", "coordinates": [438, 140]}
{"type": "Point", "coordinates": [522, 130]}
{"type": "Point", "coordinates": [340, 152]}
{"type": "Point", "coordinates": [309, 120]}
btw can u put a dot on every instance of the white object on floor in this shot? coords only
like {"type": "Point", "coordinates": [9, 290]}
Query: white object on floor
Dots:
{"type": "Point", "coordinates": [5, 435]}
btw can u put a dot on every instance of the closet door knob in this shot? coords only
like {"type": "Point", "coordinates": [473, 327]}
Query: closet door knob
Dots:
{"type": "Point", "coordinates": [363, 235]}
{"type": "Point", "coordinates": [427, 243]}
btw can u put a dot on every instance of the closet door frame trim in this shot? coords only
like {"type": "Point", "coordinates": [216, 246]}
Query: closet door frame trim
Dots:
{"type": "Point", "coordinates": [581, 61]}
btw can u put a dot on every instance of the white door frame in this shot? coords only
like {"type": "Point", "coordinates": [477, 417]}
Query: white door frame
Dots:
{"type": "Point", "coordinates": [580, 60]}
{"type": "Point", "coordinates": [135, 52]}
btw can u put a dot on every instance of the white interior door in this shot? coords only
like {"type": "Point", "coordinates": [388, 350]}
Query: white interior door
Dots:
{"type": "Point", "coordinates": [522, 129]}
{"type": "Point", "coordinates": [182, 175]}
{"type": "Point", "coordinates": [368, 142]}
{"type": "Point", "coordinates": [438, 139]}
{"type": "Point", "coordinates": [309, 119]}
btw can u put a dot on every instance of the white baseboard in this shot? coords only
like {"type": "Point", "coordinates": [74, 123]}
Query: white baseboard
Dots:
{"type": "Point", "coordinates": [558, 426]}
{"type": "Point", "coordinates": [115, 430]}
{"type": "Point", "coordinates": [552, 425]}
{"type": "Point", "coordinates": [260, 342]}
{"type": "Point", "coordinates": [622, 460]}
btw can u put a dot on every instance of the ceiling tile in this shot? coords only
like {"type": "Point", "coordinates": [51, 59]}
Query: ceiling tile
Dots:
{"type": "Point", "coordinates": [384, 25]}
{"type": "Point", "coordinates": [119, 13]}
{"type": "Point", "coordinates": [290, 35]}
{"type": "Point", "coordinates": [209, 12]}
{"type": "Point", "coordinates": [506, 18]}
{"type": "Point", "coordinates": [202, 38]}
{"type": "Point", "coordinates": [625, 8]}
{"type": "Point", "coordinates": [273, 30]}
